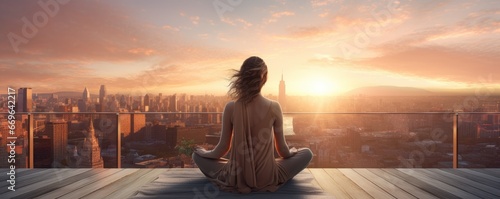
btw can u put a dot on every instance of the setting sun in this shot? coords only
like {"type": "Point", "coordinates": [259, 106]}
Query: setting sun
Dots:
{"type": "Point", "coordinates": [320, 88]}
{"type": "Point", "coordinates": [319, 85]}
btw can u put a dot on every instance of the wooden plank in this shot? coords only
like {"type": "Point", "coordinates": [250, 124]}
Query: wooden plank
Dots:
{"type": "Point", "coordinates": [347, 184]}
{"type": "Point", "coordinates": [32, 177]}
{"type": "Point", "coordinates": [450, 180]}
{"type": "Point", "coordinates": [328, 184]}
{"type": "Point", "coordinates": [480, 178]}
{"type": "Point", "coordinates": [365, 184]}
{"type": "Point", "coordinates": [384, 184]}
{"type": "Point", "coordinates": [441, 185]}
{"type": "Point", "coordinates": [61, 174]}
{"type": "Point", "coordinates": [19, 173]}
{"type": "Point", "coordinates": [420, 184]}
{"type": "Point", "coordinates": [93, 186]}
{"type": "Point", "coordinates": [80, 174]}
{"type": "Point", "coordinates": [133, 183]}
{"type": "Point", "coordinates": [483, 175]}
{"type": "Point", "coordinates": [467, 182]}
{"type": "Point", "coordinates": [314, 182]}
{"type": "Point", "coordinates": [401, 183]}
{"type": "Point", "coordinates": [93, 175]}
{"type": "Point", "coordinates": [489, 171]}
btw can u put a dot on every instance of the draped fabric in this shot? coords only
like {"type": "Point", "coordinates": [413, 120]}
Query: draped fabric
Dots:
{"type": "Point", "coordinates": [251, 165]}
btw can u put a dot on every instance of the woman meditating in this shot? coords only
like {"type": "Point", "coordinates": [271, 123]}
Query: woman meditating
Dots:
{"type": "Point", "coordinates": [252, 128]}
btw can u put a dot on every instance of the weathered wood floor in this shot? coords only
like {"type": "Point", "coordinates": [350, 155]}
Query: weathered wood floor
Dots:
{"type": "Point", "coordinates": [311, 183]}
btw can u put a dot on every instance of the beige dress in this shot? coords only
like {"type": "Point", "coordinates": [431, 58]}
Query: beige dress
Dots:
{"type": "Point", "coordinates": [252, 165]}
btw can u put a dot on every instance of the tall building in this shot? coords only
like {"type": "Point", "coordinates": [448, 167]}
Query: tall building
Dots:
{"type": "Point", "coordinates": [25, 101]}
{"type": "Point", "coordinates": [173, 103]}
{"type": "Point", "coordinates": [102, 98]}
{"type": "Point", "coordinates": [282, 94]}
{"type": "Point", "coordinates": [147, 103]}
{"type": "Point", "coordinates": [86, 95]}
{"type": "Point", "coordinates": [137, 122]}
{"type": "Point", "coordinates": [58, 131]}
{"type": "Point", "coordinates": [90, 152]}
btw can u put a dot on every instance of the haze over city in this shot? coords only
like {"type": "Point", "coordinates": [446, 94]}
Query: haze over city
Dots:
{"type": "Point", "coordinates": [323, 47]}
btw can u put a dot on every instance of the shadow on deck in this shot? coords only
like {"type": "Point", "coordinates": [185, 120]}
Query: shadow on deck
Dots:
{"type": "Point", "coordinates": [310, 183]}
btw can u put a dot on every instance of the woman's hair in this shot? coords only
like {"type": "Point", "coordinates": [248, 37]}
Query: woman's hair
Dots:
{"type": "Point", "coordinates": [248, 81]}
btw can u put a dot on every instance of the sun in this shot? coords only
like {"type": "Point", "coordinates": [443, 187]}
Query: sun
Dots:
{"type": "Point", "coordinates": [318, 85]}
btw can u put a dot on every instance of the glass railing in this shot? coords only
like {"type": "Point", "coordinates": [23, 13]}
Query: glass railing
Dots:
{"type": "Point", "coordinates": [338, 140]}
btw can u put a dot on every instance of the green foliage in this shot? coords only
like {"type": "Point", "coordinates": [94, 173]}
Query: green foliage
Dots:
{"type": "Point", "coordinates": [186, 147]}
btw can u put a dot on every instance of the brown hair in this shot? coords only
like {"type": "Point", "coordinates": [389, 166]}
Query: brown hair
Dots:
{"type": "Point", "coordinates": [246, 83]}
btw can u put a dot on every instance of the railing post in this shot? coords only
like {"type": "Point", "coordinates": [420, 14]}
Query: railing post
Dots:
{"type": "Point", "coordinates": [31, 143]}
{"type": "Point", "coordinates": [118, 142]}
{"type": "Point", "coordinates": [455, 141]}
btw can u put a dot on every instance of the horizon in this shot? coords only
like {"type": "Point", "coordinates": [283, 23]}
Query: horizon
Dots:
{"type": "Point", "coordinates": [321, 47]}
{"type": "Point", "coordinates": [354, 92]}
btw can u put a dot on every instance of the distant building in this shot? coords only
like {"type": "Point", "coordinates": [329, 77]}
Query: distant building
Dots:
{"type": "Point", "coordinates": [24, 100]}
{"type": "Point", "coordinates": [173, 103]}
{"type": "Point", "coordinates": [282, 94]}
{"type": "Point", "coordinates": [58, 132]}
{"type": "Point", "coordinates": [82, 106]}
{"type": "Point", "coordinates": [137, 122]}
{"type": "Point", "coordinates": [102, 98]}
{"type": "Point", "coordinates": [131, 124]}
{"type": "Point", "coordinates": [44, 156]}
{"type": "Point", "coordinates": [147, 103]}
{"type": "Point", "coordinates": [124, 124]}
{"type": "Point", "coordinates": [89, 151]}
{"type": "Point", "coordinates": [86, 95]}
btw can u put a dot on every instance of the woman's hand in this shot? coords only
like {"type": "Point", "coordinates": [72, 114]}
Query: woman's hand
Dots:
{"type": "Point", "coordinates": [293, 151]}
{"type": "Point", "coordinates": [202, 152]}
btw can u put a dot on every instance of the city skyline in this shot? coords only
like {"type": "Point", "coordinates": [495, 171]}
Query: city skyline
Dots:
{"type": "Point", "coordinates": [321, 47]}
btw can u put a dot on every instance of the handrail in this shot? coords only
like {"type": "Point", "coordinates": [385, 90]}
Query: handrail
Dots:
{"type": "Point", "coordinates": [167, 112]}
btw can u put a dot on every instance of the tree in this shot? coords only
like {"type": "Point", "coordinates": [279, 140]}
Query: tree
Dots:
{"type": "Point", "coordinates": [186, 147]}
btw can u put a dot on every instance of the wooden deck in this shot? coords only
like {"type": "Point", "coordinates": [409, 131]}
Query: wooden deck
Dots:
{"type": "Point", "coordinates": [310, 183]}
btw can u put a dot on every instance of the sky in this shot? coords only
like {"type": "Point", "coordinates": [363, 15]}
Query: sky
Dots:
{"type": "Point", "coordinates": [321, 47]}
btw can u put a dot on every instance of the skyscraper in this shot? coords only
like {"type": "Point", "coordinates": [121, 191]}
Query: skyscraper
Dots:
{"type": "Point", "coordinates": [102, 98]}
{"type": "Point", "coordinates": [282, 94]}
{"type": "Point", "coordinates": [58, 131]}
{"type": "Point", "coordinates": [86, 95]}
{"type": "Point", "coordinates": [25, 102]}
{"type": "Point", "coordinates": [90, 151]}
{"type": "Point", "coordinates": [147, 102]}
{"type": "Point", "coordinates": [173, 103]}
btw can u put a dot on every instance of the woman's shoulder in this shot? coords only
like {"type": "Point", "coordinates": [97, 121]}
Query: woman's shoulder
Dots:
{"type": "Point", "coordinates": [275, 106]}
{"type": "Point", "coordinates": [230, 105]}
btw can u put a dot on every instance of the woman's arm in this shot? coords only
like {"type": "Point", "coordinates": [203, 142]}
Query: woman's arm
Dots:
{"type": "Point", "coordinates": [279, 137]}
{"type": "Point", "coordinates": [225, 138]}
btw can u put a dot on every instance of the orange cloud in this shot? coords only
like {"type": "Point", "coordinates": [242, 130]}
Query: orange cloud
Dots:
{"type": "Point", "coordinates": [275, 16]}
{"type": "Point", "coordinates": [236, 21]}
{"type": "Point", "coordinates": [92, 32]}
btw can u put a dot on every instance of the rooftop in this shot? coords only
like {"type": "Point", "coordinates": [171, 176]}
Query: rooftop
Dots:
{"type": "Point", "coordinates": [310, 183]}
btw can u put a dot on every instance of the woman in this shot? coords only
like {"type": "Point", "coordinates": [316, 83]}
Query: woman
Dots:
{"type": "Point", "coordinates": [248, 136]}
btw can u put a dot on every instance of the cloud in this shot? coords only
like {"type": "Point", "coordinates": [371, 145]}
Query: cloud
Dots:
{"type": "Point", "coordinates": [462, 51]}
{"type": "Point", "coordinates": [321, 3]}
{"type": "Point", "coordinates": [437, 63]}
{"type": "Point", "coordinates": [237, 21]}
{"type": "Point", "coordinates": [347, 18]}
{"type": "Point", "coordinates": [89, 33]}
{"type": "Point", "coordinates": [167, 27]}
{"type": "Point", "coordinates": [276, 15]}
{"type": "Point", "coordinates": [195, 20]}
{"type": "Point", "coordinates": [309, 31]}
{"type": "Point", "coordinates": [79, 31]}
